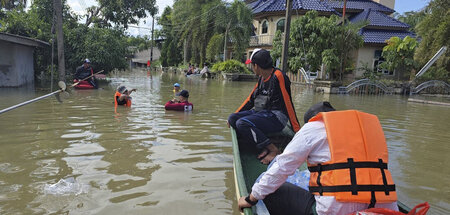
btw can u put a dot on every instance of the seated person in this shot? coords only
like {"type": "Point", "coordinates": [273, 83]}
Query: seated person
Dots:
{"type": "Point", "coordinates": [347, 156]}
{"type": "Point", "coordinates": [176, 88]}
{"type": "Point", "coordinates": [85, 71]}
{"type": "Point", "coordinates": [268, 108]}
{"type": "Point", "coordinates": [122, 96]}
{"type": "Point", "coordinates": [180, 104]}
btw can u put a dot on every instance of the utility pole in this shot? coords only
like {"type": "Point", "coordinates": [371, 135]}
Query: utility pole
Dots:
{"type": "Point", "coordinates": [287, 30]}
{"type": "Point", "coordinates": [153, 40]}
{"type": "Point", "coordinates": [225, 42]}
{"type": "Point", "coordinates": [57, 5]}
{"type": "Point", "coordinates": [343, 41]}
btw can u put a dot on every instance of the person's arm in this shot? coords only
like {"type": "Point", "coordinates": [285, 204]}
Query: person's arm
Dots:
{"type": "Point", "coordinates": [248, 103]}
{"type": "Point", "coordinates": [132, 90]}
{"type": "Point", "coordinates": [294, 155]}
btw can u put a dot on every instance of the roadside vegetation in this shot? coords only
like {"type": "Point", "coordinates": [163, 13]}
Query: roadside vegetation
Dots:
{"type": "Point", "coordinates": [101, 37]}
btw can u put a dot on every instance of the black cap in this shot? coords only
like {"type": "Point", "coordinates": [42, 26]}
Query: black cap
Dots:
{"type": "Point", "coordinates": [261, 57]}
{"type": "Point", "coordinates": [183, 93]}
{"type": "Point", "coordinates": [317, 108]}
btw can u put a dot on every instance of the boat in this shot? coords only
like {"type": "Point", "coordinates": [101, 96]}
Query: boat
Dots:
{"type": "Point", "coordinates": [247, 168]}
{"type": "Point", "coordinates": [83, 85]}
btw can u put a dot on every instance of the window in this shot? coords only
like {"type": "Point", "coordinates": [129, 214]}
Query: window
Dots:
{"type": "Point", "coordinates": [378, 59]}
{"type": "Point", "coordinates": [280, 25]}
{"type": "Point", "coordinates": [264, 27]}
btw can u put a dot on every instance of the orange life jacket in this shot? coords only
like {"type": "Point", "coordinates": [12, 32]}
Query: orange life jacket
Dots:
{"type": "Point", "coordinates": [117, 95]}
{"type": "Point", "coordinates": [357, 171]}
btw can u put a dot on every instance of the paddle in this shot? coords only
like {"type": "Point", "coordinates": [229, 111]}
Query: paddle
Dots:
{"type": "Point", "coordinates": [62, 88]}
{"type": "Point", "coordinates": [84, 79]}
{"type": "Point", "coordinates": [61, 85]}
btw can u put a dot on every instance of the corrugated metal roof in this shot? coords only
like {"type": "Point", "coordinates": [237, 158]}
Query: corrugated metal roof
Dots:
{"type": "Point", "coordinates": [378, 19]}
{"type": "Point", "coordinates": [380, 36]}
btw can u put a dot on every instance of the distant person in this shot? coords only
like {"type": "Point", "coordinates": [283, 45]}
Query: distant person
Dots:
{"type": "Point", "coordinates": [347, 156]}
{"type": "Point", "coordinates": [176, 88]}
{"type": "Point", "coordinates": [122, 96]}
{"type": "Point", "coordinates": [268, 108]}
{"type": "Point", "coordinates": [85, 71]}
{"type": "Point", "coordinates": [205, 69]}
{"type": "Point", "coordinates": [196, 71]}
{"type": "Point", "coordinates": [181, 103]}
{"type": "Point", "coordinates": [189, 70]}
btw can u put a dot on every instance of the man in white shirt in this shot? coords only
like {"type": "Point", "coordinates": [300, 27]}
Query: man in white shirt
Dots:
{"type": "Point", "coordinates": [309, 144]}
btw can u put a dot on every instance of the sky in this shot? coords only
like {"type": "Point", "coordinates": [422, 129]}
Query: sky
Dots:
{"type": "Point", "coordinates": [78, 6]}
{"type": "Point", "coordinates": [402, 6]}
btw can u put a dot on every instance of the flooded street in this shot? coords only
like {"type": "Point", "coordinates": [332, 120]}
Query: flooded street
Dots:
{"type": "Point", "coordinates": [145, 160]}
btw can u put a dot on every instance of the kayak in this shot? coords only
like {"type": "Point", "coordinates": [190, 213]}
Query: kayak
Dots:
{"type": "Point", "coordinates": [247, 168]}
{"type": "Point", "coordinates": [83, 85]}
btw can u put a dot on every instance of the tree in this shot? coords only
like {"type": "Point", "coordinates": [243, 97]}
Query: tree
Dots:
{"type": "Point", "coordinates": [434, 31]}
{"type": "Point", "coordinates": [214, 47]}
{"type": "Point", "coordinates": [193, 23]}
{"type": "Point", "coordinates": [412, 18]}
{"type": "Point", "coordinates": [11, 4]}
{"type": "Point", "coordinates": [399, 55]}
{"type": "Point", "coordinates": [318, 40]}
{"type": "Point", "coordinates": [119, 12]}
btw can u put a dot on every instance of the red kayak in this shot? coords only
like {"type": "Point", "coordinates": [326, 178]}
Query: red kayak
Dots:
{"type": "Point", "coordinates": [84, 85]}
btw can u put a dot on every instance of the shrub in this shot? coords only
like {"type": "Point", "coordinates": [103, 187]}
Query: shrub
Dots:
{"type": "Point", "coordinates": [231, 66]}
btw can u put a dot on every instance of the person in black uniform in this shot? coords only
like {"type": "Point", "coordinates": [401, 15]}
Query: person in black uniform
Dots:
{"type": "Point", "coordinates": [85, 71]}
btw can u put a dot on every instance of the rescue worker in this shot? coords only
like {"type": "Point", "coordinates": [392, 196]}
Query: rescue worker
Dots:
{"type": "Point", "coordinates": [122, 96]}
{"type": "Point", "coordinates": [85, 71]}
{"type": "Point", "coordinates": [176, 88]}
{"type": "Point", "coordinates": [181, 103]}
{"type": "Point", "coordinates": [268, 108]}
{"type": "Point", "coordinates": [347, 156]}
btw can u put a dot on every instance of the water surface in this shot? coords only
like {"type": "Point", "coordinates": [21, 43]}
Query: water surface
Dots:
{"type": "Point", "coordinates": [145, 160]}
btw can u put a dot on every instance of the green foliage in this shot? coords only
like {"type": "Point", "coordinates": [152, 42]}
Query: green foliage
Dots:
{"type": "Point", "coordinates": [369, 73]}
{"type": "Point", "coordinates": [399, 55]}
{"type": "Point", "coordinates": [191, 25]}
{"type": "Point", "coordinates": [277, 46]}
{"type": "Point", "coordinates": [214, 48]}
{"type": "Point", "coordinates": [412, 18]}
{"type": "Point", "coordinates": [12, 4]}
{"type": "Point", "coordinates": [120, 13]}
{"type": "Point", "coordinates": [105, 47]}
{"type": "Point", "coordinates": [141, 43]}
{"type": "Point", "coordinates": [316, 40]}
{"type": "Point", "coordinates": [434, 31]}
{"type": "Point", "coordinates": [231, 66]}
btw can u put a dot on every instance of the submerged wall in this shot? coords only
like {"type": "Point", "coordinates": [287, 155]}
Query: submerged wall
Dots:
{"type": "Point", "coordinates": [16, 64]}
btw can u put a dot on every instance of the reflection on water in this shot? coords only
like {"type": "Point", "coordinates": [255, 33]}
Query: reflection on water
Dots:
{"type": "Point", "coordinates": [144, 159]}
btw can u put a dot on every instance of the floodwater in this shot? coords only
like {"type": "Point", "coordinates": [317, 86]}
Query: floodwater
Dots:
{"type": "Point", "coordinates": [145, 160]}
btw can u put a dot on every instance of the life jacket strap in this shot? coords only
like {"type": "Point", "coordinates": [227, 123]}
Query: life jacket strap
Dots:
{"type": "Point", "coordinates": [353, 187]}
{"type": "Point", "coordinates": [348, 188]}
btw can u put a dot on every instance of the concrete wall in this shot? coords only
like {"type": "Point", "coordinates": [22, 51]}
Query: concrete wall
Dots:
{"type": "Point", "coordinates": [16, 64]}
{"type": "Point", "coordinates": [365, 54]}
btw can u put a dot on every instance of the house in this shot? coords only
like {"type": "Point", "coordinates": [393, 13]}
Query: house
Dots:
{"type": "Point", "coordinates": [16, 59]}
{"type": "Point", "coordinates": [140, 58]}
{"type": "Point", "coordinates": [269, 16]}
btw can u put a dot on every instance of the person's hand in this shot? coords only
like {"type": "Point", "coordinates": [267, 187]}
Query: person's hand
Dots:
{"type": "Point", "coordinates": [243, 204]}
{"type": "Point", "coordinates": [228, 124]}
